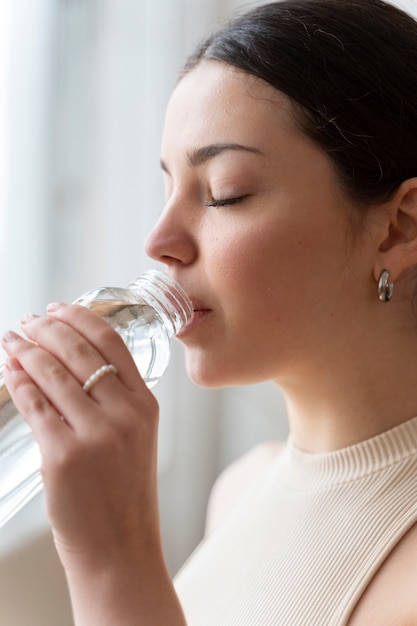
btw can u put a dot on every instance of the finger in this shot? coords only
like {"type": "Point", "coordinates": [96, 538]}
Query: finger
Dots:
{"type": "Point", "coordinates": [93, 332]}
{"type": "Point", "coordinates": [54, 381]}
{"type": "Point", "coordinates": [73, 351]}
{"type": "Point", "coordinates": [41, 415]}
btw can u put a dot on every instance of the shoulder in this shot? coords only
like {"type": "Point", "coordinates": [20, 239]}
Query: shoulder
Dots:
{"type": "Point", "coordinates": [392, 591]}
{"type": "Point", "coordinates": [233, 481]}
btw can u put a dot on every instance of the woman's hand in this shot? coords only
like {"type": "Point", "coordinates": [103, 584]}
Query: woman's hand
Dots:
{"type": "Point", "coordinates": [99, 454]}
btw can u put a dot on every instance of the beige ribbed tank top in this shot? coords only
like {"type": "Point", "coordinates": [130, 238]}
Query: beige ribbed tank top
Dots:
{"type": "Point", "coordinates": [307, 536]}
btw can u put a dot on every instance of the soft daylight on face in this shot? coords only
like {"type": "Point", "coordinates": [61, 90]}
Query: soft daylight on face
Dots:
{"type": "Point", "coordinates": [264, 251]}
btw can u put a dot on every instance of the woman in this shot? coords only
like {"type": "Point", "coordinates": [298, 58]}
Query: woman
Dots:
{"type": "Point", "coordinates": [289, 155]}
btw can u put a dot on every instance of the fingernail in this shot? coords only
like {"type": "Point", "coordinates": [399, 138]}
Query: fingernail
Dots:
{"type": "Point", "coordinates": [13, 365]}
{"type": "Point", "coordinates": [28, 317]}
{"type": "Point", "coordinates": [10, 336]}
{"type": "Point", "coordinates": [54, 306]}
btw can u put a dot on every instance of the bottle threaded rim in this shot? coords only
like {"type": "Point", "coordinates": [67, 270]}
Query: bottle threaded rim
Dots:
{"type": "Point", "coordinates": [167, 296]}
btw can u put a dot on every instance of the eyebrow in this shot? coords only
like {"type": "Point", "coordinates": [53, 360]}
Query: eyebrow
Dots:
{"type": "Point", "coordinates": [199, 156]}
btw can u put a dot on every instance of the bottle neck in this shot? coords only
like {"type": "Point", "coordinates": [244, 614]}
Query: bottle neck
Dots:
{"type": "Point", "coordinates": [166, 296]}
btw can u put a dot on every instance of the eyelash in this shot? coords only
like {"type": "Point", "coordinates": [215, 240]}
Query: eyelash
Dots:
{"type": "Point", "coordinates": [225, 201]}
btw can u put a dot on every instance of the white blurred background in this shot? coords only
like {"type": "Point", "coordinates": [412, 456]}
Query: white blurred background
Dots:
{"type": "Point", "coordinates": [83, 88]}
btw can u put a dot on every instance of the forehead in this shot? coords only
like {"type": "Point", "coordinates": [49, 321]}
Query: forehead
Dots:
{"type": "Point", "coordinates": [217, 102]}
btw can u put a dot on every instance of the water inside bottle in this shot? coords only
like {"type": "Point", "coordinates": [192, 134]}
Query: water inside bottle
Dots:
{"type": "Point", "coordinates": [147, 340]}
{"type": "Point", "coordinates": [20, 478]}
{"type": "Point", "coordinates": [142, 332]}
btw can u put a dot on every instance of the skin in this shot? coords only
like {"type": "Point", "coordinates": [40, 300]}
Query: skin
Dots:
{"type": "Point", "coordinates": [104, 515]}
{"type": "Point", "coordinates": [283, 272]}
{"type": "Point", "coordinates": [278, 270]}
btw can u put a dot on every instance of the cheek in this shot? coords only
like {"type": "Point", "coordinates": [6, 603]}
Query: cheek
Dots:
{"type": "Point", "coordinates": [277, 268]}
{"type": "Point", "coordinates": [236, 265]}
{"type": "Point", "coordinates": [245, 273]}
{"type": "Point", "coordinates": [252, 259]}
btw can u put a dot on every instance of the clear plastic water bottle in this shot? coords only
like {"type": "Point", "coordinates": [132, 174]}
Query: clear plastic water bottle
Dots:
{"type": "Point", "coordinates": [147, 314]}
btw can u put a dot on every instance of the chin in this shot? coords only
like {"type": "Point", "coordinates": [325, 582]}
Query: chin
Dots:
{"type": "Point", "coordinates": [205, 374]}
{"type": "Point", "coordinates": [203, 379]}
{"type": "Point", "coordinates": [216, 375]}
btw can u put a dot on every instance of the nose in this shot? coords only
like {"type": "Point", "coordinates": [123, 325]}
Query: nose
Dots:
{"type": "Point", "coordinates": [171, 241]}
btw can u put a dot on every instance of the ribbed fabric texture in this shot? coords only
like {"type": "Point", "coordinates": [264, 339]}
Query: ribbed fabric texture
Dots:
{"type": "Point", "coordinates": [307, 536]}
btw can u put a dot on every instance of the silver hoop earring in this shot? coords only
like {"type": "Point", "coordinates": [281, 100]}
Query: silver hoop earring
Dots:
{"type": "Point", "coordinates": [385, 288]}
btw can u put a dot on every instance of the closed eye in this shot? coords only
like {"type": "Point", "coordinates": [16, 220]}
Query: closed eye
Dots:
{"type": "Point", "coordinates": [225, 201]}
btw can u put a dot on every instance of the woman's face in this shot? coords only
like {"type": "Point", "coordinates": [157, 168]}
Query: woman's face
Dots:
{"type": "Point", "coordinates": [257, 231]}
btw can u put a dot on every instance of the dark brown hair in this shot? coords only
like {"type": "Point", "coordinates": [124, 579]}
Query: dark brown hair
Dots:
{"type": "Point", "coordinates": [350, 67]}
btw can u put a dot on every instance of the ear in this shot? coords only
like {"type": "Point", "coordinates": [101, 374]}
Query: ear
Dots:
{"type": "Point", "coordinates": [397, 250]}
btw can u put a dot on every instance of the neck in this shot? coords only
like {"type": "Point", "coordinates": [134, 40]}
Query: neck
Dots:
{"type": "Point", "coordinates": [357, 391]}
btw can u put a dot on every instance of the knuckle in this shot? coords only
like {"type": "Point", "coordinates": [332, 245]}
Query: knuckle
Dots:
{"type": "Point", "coordinates": [27, 396]}
{"type": "Point", "coordinates": [142, 420]}
{"type": "Point", "coordinates": [151, 407]}
{"type": "Point", "coordinates": [28, 399]}
{"type": "Point", "coordinates": [82, 349]}
{"type": "Point", "coordinates": [56, 373]}
{"type": "Point", "coordinates": [44, 324]}
{"type": "Point", "coordinates": [136, 420]}
{"type": "Point", "coordinates": [39, 405]}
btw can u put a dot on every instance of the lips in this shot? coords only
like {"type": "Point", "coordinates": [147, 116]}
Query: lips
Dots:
{"type": "Point", "coordinates": [200, 312]}
{"type": "Point", "coordinates": [198, 305]}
